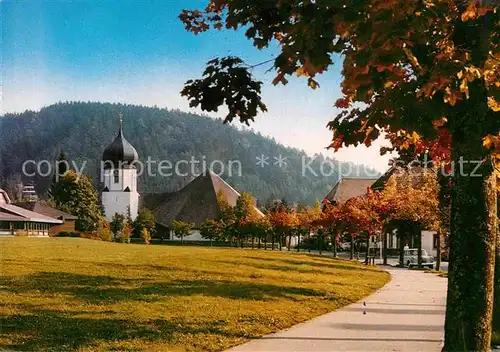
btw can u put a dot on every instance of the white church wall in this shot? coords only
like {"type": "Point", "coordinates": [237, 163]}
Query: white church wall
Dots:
{"type": "Point", "coordinates": [126, 178]}
{"type": "Point", "coordinates": [119, 202]}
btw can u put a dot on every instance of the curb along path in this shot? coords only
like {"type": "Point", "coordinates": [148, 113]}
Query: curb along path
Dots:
{"type": "Point", "coordinates": [407, 314]}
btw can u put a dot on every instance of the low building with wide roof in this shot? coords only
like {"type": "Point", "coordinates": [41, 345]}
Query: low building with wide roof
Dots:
{"type": "Point", "coordinates": [15, 220]}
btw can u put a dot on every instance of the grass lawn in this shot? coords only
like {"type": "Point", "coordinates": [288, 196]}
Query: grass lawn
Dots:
{"type": "Point", "coordinates": [72, 294]}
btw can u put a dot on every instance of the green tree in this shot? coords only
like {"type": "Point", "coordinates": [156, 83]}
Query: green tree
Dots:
{"type": "Point", "coordinates": [182, 229]}
{"type": "Point", "coordinates": [226, 217]}
{"type": "Point", "coordinates": [61, 168]}
{"type": "Point", "coordinates": [211, 230]}
{"type": "Point", "coordinates": [74, 193]}
{"type": "Point", "coordinates": [117, 224]}
{"type": "Point", "coordinates": [145, 220]}
{"type": "Point", "coordinates": [415, 70]}
{"type": "Point", "coordinates": [246, 217]}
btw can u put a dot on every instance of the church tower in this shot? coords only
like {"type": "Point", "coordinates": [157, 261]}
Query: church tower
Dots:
{"type": "Point", "coordinates": [120, 178]}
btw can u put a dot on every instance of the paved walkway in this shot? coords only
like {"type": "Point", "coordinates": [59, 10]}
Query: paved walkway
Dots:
{"type": "Point", "coordinates": [405, 315]}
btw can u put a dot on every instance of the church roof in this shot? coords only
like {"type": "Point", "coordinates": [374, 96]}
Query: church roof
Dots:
{"type": "Point", "coordinates": [195, 203]}
{"type": "Point", "coordinates": [347, 188]}
{"type": "Point", "coordinates": [119, 152]}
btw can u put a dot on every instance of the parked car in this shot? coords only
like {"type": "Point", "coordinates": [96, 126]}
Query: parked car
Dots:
{"type": "Point", "coordinates": [411, 258]}
{"type": "Point", "coordinates": [346, 246]}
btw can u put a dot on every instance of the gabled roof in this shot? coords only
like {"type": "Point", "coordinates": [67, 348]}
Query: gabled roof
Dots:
{"type": "Point", "coordinates": [10, 217]}
{"type": "Point", "coordinates": [347, 188]}
{"type": "Point", "coordinates": [195, 203]}
{"type": "Point", "coordinates": [27, 215]}
{"type": "Point", "coordinates": [44, 209]}
{"type": "Point", "coordinates": [153, 200]}
{"type": "Point", "coordinates": [4, 197]}
{"type": "Point", "coordinates": [379, 184]}
{"type": "Point", "coordinates": [416, 172]}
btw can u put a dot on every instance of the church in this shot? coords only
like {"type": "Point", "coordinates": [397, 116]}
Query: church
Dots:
{"type": "Point", "coordinates": [195, 203]}
{"type": "Point", "coordinates": [119, 175]}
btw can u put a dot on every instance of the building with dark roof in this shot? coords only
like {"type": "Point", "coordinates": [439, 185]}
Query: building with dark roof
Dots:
{"type": "Point", "coordinates": [68, 220]}
{"type": "Point", "coordinates": [348, 187]}
{"type": "Point", "coordinates": [15, 220]}
{"type": "Point", "coordinates": [195, 203]}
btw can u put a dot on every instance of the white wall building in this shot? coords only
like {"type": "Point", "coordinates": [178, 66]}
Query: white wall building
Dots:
{"type": "Point", "coordinates": [120, 178]}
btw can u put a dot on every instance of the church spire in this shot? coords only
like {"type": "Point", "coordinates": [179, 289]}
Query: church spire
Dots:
{"type": "Point", "coordinates": [121, 123]}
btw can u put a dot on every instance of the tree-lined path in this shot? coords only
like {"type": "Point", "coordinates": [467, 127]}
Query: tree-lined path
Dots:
{"type": "Point", "coordinates": [405, 315]}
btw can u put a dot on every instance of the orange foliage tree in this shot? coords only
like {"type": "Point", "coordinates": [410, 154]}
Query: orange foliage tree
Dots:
{"type": "Point", "coordinates": [284, 222]}
{"type": "Point", "coordinates": [413, 195]}
{"type": "Point", "coordinates": [425, 69]}
{"type": "Point", "coordinates": [307, 218]}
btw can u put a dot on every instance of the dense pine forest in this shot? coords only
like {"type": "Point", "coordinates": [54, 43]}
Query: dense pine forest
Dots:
{"type": "Point", "coordinates": [82, 130]}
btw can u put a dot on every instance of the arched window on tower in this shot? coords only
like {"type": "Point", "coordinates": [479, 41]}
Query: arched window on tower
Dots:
{"type": "Point", "coordinates": [116, 176]}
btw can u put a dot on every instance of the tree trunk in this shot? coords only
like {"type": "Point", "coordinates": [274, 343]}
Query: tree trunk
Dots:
{"type": "Point", "coordinates": [309, 242]}
{"type": "Point", "coordinates": [367, 249]}
{"type": "Point", "coordinates": [384, 246]}
{"type": "Point", "coordinates": [496, 304]}
{"type": "Point", "coordinates": [401, 249]}
{"type": "Point", "coordinates": [334, 246]}
{"type": "Point", "coordinates": [469, 307]}
{"type": "Point", "coordinates": [272, 242]}
{"type": "Point", "coordinates": [298, 242]}
{"type": "Point", "coordinates": [351, 256]}
{"type": "Point", "coordinates": [438, 250]}
{"type": "Point", "coordinates": [289, 242]}
{"type": "Point", "coordinates": [320, 239]}
{"type": "Point", "coordinates": [259, 243]}
{"type": "Point", "coordinates": [418, 236]}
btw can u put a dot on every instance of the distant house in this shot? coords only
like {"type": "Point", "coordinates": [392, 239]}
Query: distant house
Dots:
{"type": "Point", "coordinates": [347, 188]}
{"type": "Point", "coordinates": [16, 220]}
{"type": "Point", "coordinates": [29, 193]}
{"type": "Point", "coordinates": [429, 238]}
{"type": "Point", "coordinates": [195, 203]}
{"type": "Point", "coordinates": [68, 220]}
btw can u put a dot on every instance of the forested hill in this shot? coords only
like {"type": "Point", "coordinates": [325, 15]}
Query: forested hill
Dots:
{"type": "Point", "coordinates": [83, 130]}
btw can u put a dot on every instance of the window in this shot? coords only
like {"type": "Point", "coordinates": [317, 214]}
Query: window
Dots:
{"type": "Point", "coordinates": [116, 176]}
{"type": "Point", "coordinates": [19, 225]}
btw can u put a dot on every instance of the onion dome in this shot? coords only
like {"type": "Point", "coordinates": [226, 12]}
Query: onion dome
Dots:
{"type": "Point", "coordinates": [120, 153]}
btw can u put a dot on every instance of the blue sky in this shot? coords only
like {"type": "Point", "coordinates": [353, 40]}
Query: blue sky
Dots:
{"type": "Point", "coordinates": [138, 52]}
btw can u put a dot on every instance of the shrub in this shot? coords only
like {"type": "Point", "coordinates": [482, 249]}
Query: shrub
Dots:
{"type": "Point", "coordinates": [117, 224]}
{"type": "Point", "coordinates": [104, 231]}
{"type": "Point", "coordinates": [145, 220]}
{"type": "Point", "coordinates": [145, 236]}
{"type": "Point", "coordinates": [68, 234]}
{"type": "Point", "coordinates": [125, 234]}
